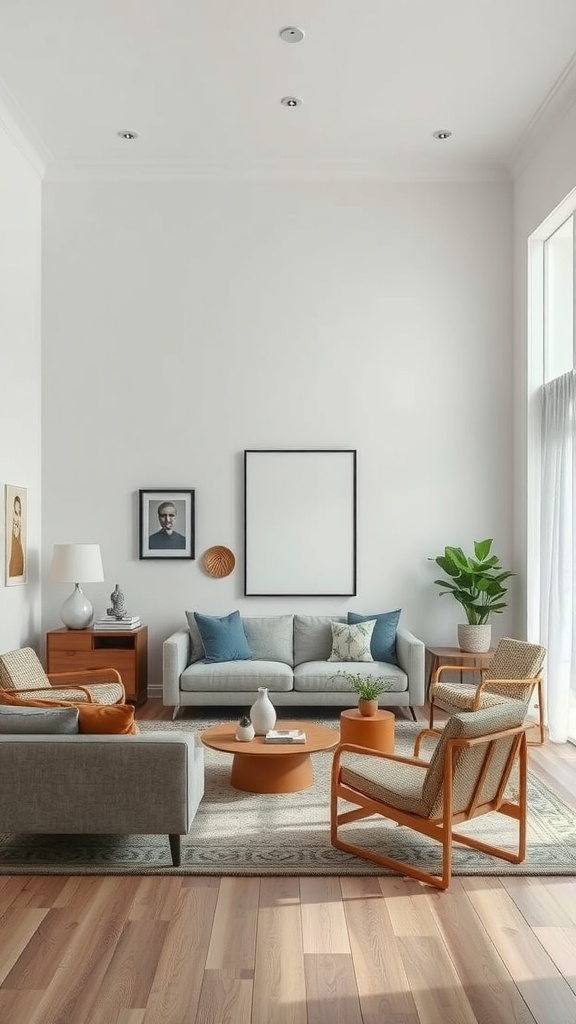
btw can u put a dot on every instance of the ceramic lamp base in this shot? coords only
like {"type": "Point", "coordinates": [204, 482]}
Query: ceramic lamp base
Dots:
{"type": "Point", "coordinates": [77, 611]}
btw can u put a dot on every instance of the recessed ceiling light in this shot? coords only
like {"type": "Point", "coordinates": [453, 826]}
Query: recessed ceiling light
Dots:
{"type": "Point", "coordinates": [292, 35]}
{"type": "Point", "coordinates": [291, 101]}
{"type": "Point", "coordinates": [128, 134]}
{"type": "Point", "coordinates": [444, 133]}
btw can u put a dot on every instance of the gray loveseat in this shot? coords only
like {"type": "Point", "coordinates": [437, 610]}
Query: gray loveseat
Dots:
{"type": "Point", "coordinates": [71, 783]}
{"type": "Point", "coordinates": [290, 657]}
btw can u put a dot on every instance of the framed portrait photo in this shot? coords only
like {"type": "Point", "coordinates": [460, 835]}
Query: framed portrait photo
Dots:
{"type": "Point", "coordinates": [166, 523]}
{"type": "Point", "coordinates": [16, 536]}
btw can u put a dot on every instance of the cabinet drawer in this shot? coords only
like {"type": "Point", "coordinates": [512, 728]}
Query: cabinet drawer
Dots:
{"type": "Point", "coordinates": [74, 661]}
{"type": "Point", "coordinates": [73, 641]}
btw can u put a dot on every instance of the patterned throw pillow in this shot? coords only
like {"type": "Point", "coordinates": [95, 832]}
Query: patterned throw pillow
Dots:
{"type": "Point", "coordinates": [352, 643]}
{"type": "Point", "coordinates": [383, 644]}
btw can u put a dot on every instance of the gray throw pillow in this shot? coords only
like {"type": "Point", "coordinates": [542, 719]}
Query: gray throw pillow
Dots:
{"type": "Point", "coordinates": [48, 721]}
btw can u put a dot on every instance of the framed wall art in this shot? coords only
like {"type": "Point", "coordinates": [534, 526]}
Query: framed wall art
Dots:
{"type": "Point", "coordinates": [300, 522]}
{"type": "Point", "coordinates": [16, 520]}
{"type": "Point", "coordinates": [166, 520]}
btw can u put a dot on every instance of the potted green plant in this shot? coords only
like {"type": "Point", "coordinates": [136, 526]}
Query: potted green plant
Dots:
{"type": "Point", "coordinates": [368, 689]}
{"type": "Point", "coordinates": [477, 583]}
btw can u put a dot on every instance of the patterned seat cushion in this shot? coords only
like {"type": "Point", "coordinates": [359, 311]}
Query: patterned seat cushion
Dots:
{"type": "Point", "coordinates": [461, 695]}
{"type": "Point", "coordinates": [386, 781]}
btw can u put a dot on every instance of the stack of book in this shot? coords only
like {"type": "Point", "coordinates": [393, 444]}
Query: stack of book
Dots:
{"type": "Point", "coordinates": [285, 736]}
{"type": "Point", "coordinates": [111, 622]}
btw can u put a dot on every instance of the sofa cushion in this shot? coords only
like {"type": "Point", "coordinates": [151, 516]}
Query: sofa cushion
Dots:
{"type": "Point", "coordinates": [237, 676]}
{"type": "Point", "coordinates": [48, 721]}
{"type": "Point", "coordinates": [196, 646]}
{"type": "Point", "coordinates": [383, 643]}
{"type": "Point", "coordinates": [91, 718]}
{"type": "Point", "coordinates": [313, 637]}
{"type": "Point", "coordinates": [352, 643]}
{"type": "Point", "coordinates": [223, 637]}
{"type": "Point", "coordinates": [321, 677]}
{"type": "Point", "coordinates": [110, 719]}
{"type": "Point", "coordinates": [271, 638]}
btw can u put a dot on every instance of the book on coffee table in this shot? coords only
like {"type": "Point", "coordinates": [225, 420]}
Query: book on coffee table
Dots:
{"type": "Point", "coordinates": [285, 736]}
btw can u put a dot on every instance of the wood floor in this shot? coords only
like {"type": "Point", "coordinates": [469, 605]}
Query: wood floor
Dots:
{"type": "Point", "coordinates": [194, 950]}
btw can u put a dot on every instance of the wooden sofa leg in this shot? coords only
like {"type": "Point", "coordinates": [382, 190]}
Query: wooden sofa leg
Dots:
{"type": "Point", "coordinates": [175, 849]}
{"type": "Point", "coordinates": [176, 712]}
{"type": "Point", "coordinates": [412, 712]}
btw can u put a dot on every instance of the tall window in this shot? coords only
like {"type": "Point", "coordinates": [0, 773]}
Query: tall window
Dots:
{"type": "Point", "coordinates": [554, 258]}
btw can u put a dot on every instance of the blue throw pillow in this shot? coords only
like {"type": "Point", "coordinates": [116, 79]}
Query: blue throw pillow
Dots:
{"type": "Point", "coordinates": [223, 638]}
{"type": "Point", "coordinates": [383, 643]}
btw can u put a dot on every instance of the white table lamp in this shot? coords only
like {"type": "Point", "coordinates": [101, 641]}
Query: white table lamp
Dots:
{"type": "Point", "coordinates": [77, 563]}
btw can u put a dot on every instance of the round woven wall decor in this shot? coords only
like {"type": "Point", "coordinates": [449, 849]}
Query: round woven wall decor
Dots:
{"type": "Point", "coordinates": [219, 561]}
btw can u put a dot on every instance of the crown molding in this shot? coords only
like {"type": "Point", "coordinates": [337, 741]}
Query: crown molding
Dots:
{"type": "Point", "coordinates": [554, 107]}
{"type": "Point", "coordinates": [271, 170]}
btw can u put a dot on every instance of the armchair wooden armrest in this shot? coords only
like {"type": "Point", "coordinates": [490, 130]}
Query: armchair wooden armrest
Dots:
{"type": "Point", "coordinates": [31, 690]}
{"type": "Point", "coordinates": [96, 675]}
{"type": "Point", "coordinates": [353, 748]}
{"type": "Point", "coordinates": [481, 669]}
{"type": "Point", "coordinates": [512, 683]}
{"type": "Point", "coordinates": [61, 680]}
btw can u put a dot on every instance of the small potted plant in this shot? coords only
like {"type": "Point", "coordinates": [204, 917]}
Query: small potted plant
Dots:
{"type": "Point", "coordinates": [477, 583]}
{"type": "Point", "coordinates": [368, 689]}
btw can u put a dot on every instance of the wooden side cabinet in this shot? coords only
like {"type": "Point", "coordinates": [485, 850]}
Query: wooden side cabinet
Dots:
{"type": "Point", "coordinates": [126, 650]}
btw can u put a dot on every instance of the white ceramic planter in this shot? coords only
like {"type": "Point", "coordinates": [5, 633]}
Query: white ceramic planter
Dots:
{"type": "Point", "coordinates": [245, 733]}
{"type": "Point", "coordinates": [474, 639]}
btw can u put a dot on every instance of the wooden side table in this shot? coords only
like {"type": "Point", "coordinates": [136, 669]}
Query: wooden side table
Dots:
{"type": "Point", "coordinates": [126, 650]}
{"type": "Point", "coordinates": [447, 655]}
{"type": "Point", "coordinates": [375, 732]}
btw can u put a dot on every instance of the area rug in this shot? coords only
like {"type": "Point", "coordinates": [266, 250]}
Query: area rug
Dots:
{"type": "Point", "coordinates": [237, 833]}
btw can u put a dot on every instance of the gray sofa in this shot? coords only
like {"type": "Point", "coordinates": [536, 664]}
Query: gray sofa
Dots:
{"type": "Point", "coordinates": [290, 658]}
{"type": "Point", "coordinates": [151, 783]}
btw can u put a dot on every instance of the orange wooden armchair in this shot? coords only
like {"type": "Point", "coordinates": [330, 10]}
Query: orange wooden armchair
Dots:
{"type": "Point", "coordinates": [466, 777]}
{"type": "Point", "coordinates": [22, 675]}
{"type": "Point", "coordinates": [512, 674]}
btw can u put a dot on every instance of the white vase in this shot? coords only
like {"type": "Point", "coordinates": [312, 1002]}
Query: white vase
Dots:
{"type": "Point", "coordinates": [474, 639]}
{"type": "Point", "coordinates": [262, 713]}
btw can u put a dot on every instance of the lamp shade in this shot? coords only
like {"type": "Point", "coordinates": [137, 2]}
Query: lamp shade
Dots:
{"type": "Point", "coordinates": [77, 563]}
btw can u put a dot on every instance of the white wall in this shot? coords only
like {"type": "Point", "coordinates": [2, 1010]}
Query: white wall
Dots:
{"type": "Point", "coordinates": [540, 187]}
{"type": "Point", "coordinates": [20, 189]}
{"type": "Point", "coordinates": [184, 322]}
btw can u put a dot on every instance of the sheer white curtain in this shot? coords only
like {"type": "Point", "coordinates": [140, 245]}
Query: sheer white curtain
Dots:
{"type": "Point", "coordinates": [558, 551]}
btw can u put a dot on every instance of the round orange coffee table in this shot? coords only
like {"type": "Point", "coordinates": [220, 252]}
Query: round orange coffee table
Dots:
{"type": "Point", "coordinates": [260, 767]}
{"type": "Point", "coordinates": [375, 732]}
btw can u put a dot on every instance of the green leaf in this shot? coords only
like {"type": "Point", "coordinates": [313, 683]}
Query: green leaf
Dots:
{"type": "Point", "coordinates": [482, 548]}
{"type": "Point", "coordinates": [447, 566]}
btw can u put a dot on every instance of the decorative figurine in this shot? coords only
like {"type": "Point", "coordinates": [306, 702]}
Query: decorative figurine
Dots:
{"type": "Point", "coordinates": [117, 611]}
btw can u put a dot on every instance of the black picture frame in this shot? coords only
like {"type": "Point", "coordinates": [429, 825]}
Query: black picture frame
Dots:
{"type": "Point", "coordinates": [155, 541]}
{"type": "Point", "coordinates": [300, 522]}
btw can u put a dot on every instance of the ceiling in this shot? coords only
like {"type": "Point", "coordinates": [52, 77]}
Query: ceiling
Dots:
{"type": "Point", "coordinates": [201, 82]}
